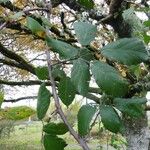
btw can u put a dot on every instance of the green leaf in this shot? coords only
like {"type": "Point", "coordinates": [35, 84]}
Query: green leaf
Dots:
{"type": "Point", "coordinates": [66, 91]}
{"type": "Point", "coordinates": [80, 76]}
{"type": "Point", "coordinates": [147, 23]}
{"type": "Point", "coordinates": [55, 129]}
{"type": "Point", "coordinates": [129, 51]}
{"type": "Point", "coordinates": [146, 38]}
{"type": "Point", "coordinates": [17, 15]}
{"type": "Point", "coordinates": [89, 4]}
{"type": "Point", "coordinates": [111, 119]}
{"type": "Point", "coordinates": [66, 51]}
{"type": "Point", "coordinates": [85, 32]}
{"type": "Point", "coordinates": [86, 54]}
{"type": "Point", "coordinates": [85, 116]}
{"type": "Point", "coordinates": [43, 101]}
{"type": "Point", "coordinates": [42, 73]}
{"type": "Point", "coordinates": [136, 70]}
{"type": "Point", "coordinates": [58, 73]}
{"type": "Point", "coordinates": [132, 106]}
{"type": "Point", "coordinates": [133, 20]}
{"type": "Point", "coordinates": [109, 79]}
{"type": "Point", "coordinates": [35, 27]}
{"type": "Point", "coordinates": [46, 22]}
{"type": "Point", "coordinates": [53, 143]}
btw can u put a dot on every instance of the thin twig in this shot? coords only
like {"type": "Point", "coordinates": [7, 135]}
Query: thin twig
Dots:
{"type": "Point", "coordinates": [35, 9]}
{"type": "Point", "coordinates": [94, 121]}
{"type": "Point", "coordinates": [42, 135]}
{"type": "Point", "coordinates": [81, 141]}
{"type": "Point", "coordinates": [64, 62]}
{"type": "Point", "coordinates": [59, 109]}
{"type": "Point", "coordinates": [3, 26]}
{"type": "Point", "coordinates": [105, 19]}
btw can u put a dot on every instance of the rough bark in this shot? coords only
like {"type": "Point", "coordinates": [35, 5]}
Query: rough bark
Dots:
{"type": "Point", "coordinates": [15, 60]}
{"type": "Point", "coordinates": [136, 130]}
{"type": "Point", "coordinates": [137, 133]}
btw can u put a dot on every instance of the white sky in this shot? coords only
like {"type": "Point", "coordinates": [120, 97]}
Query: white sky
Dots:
{"type": "Point", "coordinates": [22, 92]}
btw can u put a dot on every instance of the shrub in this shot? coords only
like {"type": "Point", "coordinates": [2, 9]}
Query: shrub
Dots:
{"type": "Point", "coordinates": [17, 113]}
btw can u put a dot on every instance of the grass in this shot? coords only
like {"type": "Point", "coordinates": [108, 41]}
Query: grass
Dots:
{"type": "Point", "coordinates": [23, 138]}
{"type": "Point", "coordinates": [29, 138]}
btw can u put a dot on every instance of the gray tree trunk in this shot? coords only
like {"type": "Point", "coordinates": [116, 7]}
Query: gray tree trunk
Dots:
{"type": "Point", "coordinates": [137, 133]}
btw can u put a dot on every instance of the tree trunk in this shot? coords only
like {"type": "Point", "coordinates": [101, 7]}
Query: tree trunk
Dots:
{"type": "Point", "coordinates": [137, 133]}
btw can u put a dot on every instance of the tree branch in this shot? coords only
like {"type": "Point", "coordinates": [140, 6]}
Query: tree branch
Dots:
{"type": "Point", "coordinates": [93, 97]}
{"type": "Point", "coordinates": [59, 109]}
{"type": "Point", "coordinates": [13, 64]}
{"type": "Point", "coordinates": [22, 83]}
{"type": "Point", "coordinates": [19, 99]}
{"type": "Point", "coordinates": [20, 62]}
{"type": "Point", "coordinates": [81, 141]}
{"type": "Point", "coordinates": [3, 25]}
{"type": "Point", "coordinates": [114, 5]}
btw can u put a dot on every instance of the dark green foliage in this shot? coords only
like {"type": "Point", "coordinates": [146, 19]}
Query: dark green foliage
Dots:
{"type": "Point", "coordinates": [55, 129]}
{"type": "Point", "coordinates": [66, 91]}
{"type": "Point", "coordinates": [85, 32]}
{"type": "Point", "coordinates": [43, 101]}
{"type": "Point", "coordinates": [109, 79]}
{"type": "Point", "coordinates": [42, 73]}
{"type": "Point", "coordinates": [52, 142]}
{"type": "Point", "coordinates": [147, 23]}
{"type": "Point", "coordinates": [132, 106]}
{"type": "Point", "coordinates": [65, 50]}
{"type": "Point", "coordinates": [110, 119]}
{"type": "Point", "coordinates": [85, 116]}
{"type": "Point", "coordinates": [58, 73]}
{"type": "Point", "coordinates": [89, 4]}
{"type": "Point", "coordinates": [146, 38]}
{"type": "Point", "coordinates": [86, 54]}
{"type": "Point", "coordinates": [129, 51]}
{"type": "Point", "coordinates": [80, 76]}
